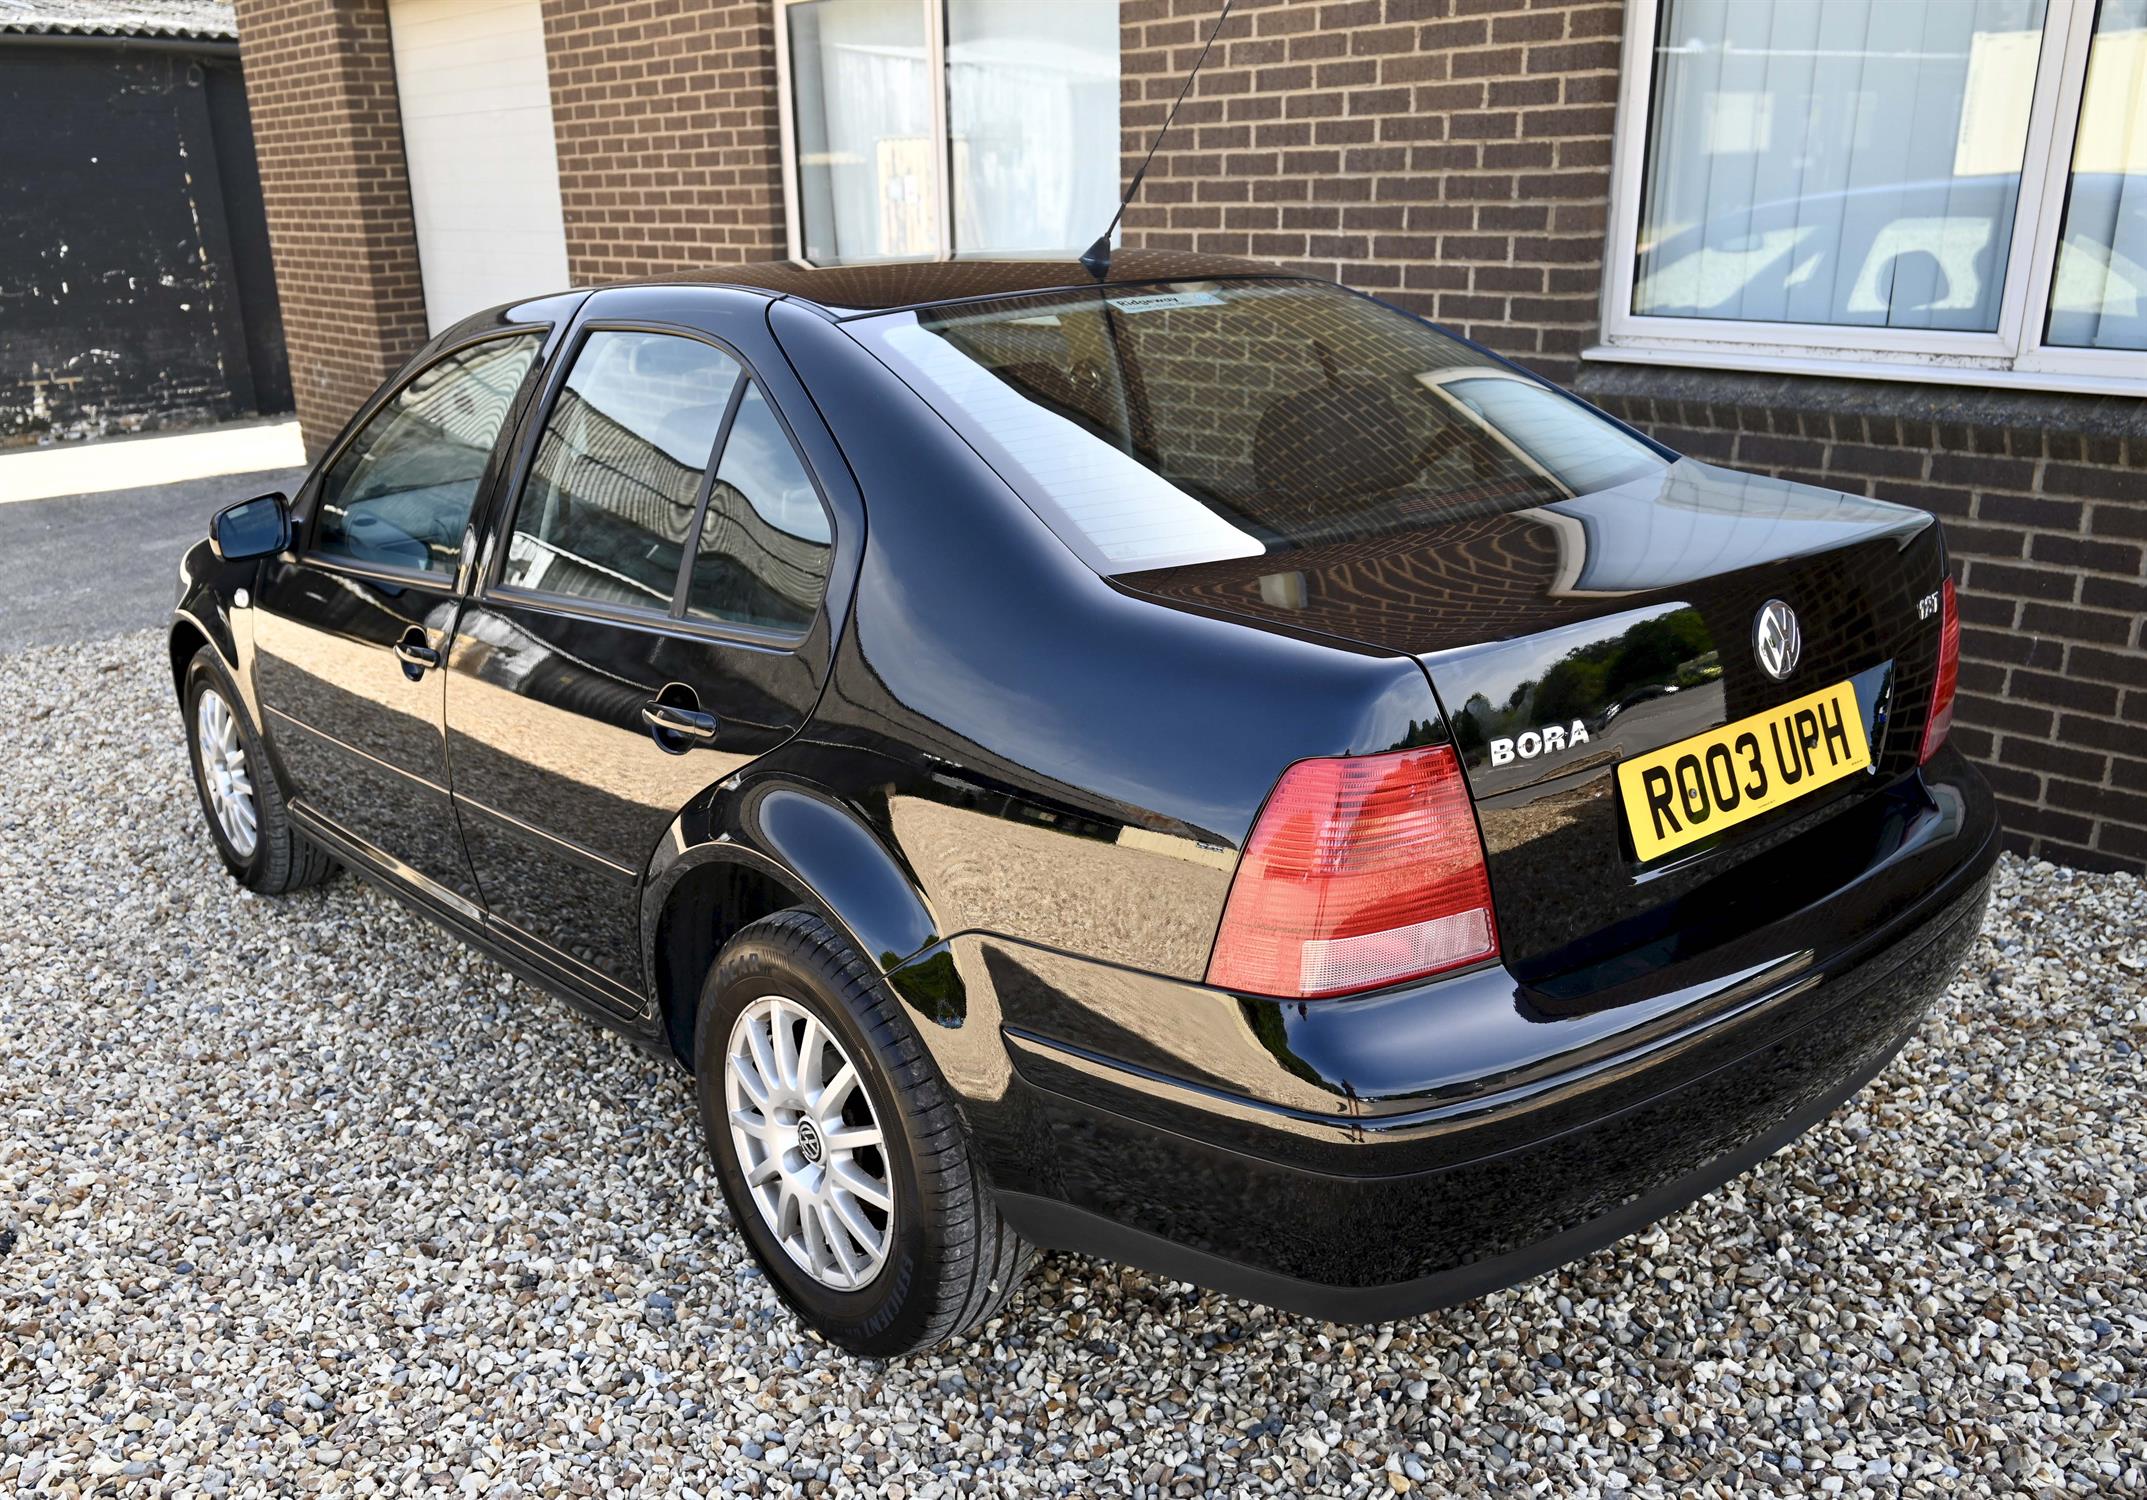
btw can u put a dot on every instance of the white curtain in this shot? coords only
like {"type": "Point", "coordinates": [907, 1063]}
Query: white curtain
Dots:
{"type": "Point", "coordinates": [861, 104]}
{"type": "Point", "coordinates": [1032, 103]}
{"type": "Point", "coordinates": [2098, 298]}
{"type": "Point", "coordinates": [1849, 162]}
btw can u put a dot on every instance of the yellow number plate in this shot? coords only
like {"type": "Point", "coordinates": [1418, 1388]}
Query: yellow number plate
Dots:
{"type": "Point", "coordinates": [1686, 791]}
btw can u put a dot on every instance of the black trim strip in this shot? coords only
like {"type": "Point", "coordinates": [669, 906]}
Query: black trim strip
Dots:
{"type": "Point", "coordinates": [346, 746]}
{"type": "Point", "coordinates": [568, 607]}
{"type": "Point", "coordinates": [605, 989]}
{"type": "Point", "coordinates": [593, 993]}
{"type": "Point", "coordinates": [682, 589]}
{"type": "Point", "coordinates": [348, 848]}
{"type": "Point", "coordinates": [580, 851]}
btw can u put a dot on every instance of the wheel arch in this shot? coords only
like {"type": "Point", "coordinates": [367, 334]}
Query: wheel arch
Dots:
{"type": "Point", "coordinates": [788, 846]}
{"type": "Point", "coordinates": [199, 620]}
{"type": "Point", "coordinates": [708, 902]}
{"type": "Point", "coordinates": [187, 639]}
{"type": "Point", "coordinates": [201, 617]}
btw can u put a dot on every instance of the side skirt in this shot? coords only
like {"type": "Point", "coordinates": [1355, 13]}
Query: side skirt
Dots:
{"type": "Point", "coordinates": [449, 912]}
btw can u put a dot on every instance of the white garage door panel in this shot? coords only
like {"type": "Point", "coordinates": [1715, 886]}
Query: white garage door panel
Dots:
{"type": "Point", "coordinates": [477, 128]}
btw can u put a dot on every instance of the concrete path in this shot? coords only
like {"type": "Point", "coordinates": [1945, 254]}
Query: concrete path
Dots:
{"type": "Point", "coordinates": [131, 463]}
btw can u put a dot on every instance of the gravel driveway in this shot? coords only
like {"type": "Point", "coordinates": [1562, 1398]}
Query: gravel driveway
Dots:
{"type": "Point", "coordinates": [301, 1195]}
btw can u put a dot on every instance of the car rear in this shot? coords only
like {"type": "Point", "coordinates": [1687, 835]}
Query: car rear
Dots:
{"type": "Point", "coordinates": [1678, 867]}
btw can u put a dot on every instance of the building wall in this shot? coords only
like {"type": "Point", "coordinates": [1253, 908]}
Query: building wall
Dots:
{"type": "Point", "coordinates": [1452, 155]}
{"type": "Point", "coordinates": [665, 118]}
{"type": "Point", "coordinates": [136, 209]}
{"type": "Point", "coordinates": [321, 81]}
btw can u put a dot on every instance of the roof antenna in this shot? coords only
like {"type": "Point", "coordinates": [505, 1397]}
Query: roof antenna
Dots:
{"type": "Point", "coordinates": [1097, 258]}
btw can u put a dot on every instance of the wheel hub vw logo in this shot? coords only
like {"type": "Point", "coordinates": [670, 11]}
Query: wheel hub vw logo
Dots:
{"type": "Point", "coordinates": [809, 1145]}
{"type": "Point", "coordinates": [1777, 640]}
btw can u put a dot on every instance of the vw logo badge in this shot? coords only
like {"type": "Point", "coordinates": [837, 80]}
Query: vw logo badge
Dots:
{"type": "Point", "coordinates": [809, 1144]}
{"type": "Point", "coordinates": [1776, 639]}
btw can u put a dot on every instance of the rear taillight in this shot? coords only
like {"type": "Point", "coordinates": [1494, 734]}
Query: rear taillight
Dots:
{"type": "Point", "coordinates": [1360, 872]}
{"type": "Point", "coordinates": [1940, 718]}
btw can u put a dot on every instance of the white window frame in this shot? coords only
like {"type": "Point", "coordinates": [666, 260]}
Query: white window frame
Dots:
{"type": "Point", "coordinates": [934, 14]}
{"type": "Point", "coordinates": [2012, 356]}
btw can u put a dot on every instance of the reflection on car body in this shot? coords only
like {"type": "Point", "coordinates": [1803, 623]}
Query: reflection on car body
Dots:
{"type": "Point", "coordinates": [1030, 742]}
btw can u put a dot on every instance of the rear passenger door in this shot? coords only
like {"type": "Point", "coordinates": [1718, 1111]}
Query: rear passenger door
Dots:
{"type": "Point", "coordinates": [651, 616]}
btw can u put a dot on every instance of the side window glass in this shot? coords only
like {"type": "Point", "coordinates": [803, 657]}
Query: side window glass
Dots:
{"type": "Point", "coordinates": [763, 554]}
{"type": "Point", "coordinates": [610, 497]}
{"type": "Point", "coordinates": [399, 495]}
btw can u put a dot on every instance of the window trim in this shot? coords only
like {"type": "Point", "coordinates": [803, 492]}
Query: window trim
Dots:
{"type": "Point", "coordinates": [304, 546]}
{"type": "Point", "coordinates": [490, 584]}
{"type": "Point", "coordinates": [2014, 355]}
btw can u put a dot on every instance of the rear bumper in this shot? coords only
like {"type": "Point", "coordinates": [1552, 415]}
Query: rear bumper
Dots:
{"type": "Point", "coordinates": [1369, 1159]}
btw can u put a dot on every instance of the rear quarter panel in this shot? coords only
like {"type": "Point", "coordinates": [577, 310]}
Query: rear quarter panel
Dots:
{"type": "Point", "coordinates": [1055, 760]}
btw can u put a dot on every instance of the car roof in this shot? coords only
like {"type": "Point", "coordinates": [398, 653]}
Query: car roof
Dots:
{"type": "Point", "coordinates": [884, 286]}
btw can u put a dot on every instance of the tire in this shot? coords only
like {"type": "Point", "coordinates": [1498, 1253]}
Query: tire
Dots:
{"type": "Point", "coordinates": [280, 859]}
{"type": "Point", "coordinates": [950, 1262]}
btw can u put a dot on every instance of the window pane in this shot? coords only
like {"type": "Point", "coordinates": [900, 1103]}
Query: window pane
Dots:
{"type": "Point", "coordinates": [399, 496]}
{"type": "Point", "coordinates": [1549, 432]}
{"type": "Point", "coordinates": [609, 499]}
{"type": "Point", "coordinates": [1032, 103]}
{"type": "Point", "coordinates": [861, 106]}
{"type": "Point", "coordinates": [2098, 298]}
{"type": "Point", "coordinates": [1849, 162]}
{"type": "Point", "coordinates": [1198, 422]}
{"type": "Point", "coordinates": [764, 546]}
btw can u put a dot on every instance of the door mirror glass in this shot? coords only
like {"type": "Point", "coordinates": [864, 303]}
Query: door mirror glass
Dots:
{"type": "Point", "coordinates": [251, 528]}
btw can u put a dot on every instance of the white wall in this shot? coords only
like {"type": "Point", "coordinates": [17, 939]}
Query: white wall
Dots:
{"type": "Point", "coordinates": [484, 176]}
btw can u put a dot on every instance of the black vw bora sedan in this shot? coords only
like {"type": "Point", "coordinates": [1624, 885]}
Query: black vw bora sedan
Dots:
{"type": "Point", "coordinates": [1193, 766]}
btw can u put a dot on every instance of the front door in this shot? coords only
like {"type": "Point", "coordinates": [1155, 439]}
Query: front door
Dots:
{"type": "Point", "coordinates": [350, 630]}
{"type": "Point", "coordinates": [651, 623]}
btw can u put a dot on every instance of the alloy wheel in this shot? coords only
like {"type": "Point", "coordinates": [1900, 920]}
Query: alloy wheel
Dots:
{"type": "Point", "coordinates": [224, 773]}
{"type": "Point", "coordinates": [808, 1143]}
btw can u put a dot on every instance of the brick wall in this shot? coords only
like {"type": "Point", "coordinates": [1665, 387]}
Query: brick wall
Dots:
{"type": "Point", "coordinates": [321, 83]}
{"type": "Point", "coordinates": [1451, 155]}
{"type": "Point", "coordinates": [665, 120]}
{"type": "Point", "coordinates": [2045, 504]}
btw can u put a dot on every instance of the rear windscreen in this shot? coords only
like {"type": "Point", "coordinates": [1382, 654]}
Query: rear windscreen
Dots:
{"type": "Point", "coordinates": [1154, 427]}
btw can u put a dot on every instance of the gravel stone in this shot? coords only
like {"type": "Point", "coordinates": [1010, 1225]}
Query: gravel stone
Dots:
{"type": "Point", "coordinates": [302, 1196]}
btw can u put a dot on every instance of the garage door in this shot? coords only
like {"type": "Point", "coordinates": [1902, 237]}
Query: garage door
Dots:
{"type": "Point", "coordinates": [477, 127]}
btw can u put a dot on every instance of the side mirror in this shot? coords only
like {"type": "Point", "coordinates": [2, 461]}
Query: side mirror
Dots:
{"type": "Point", "coordinates": [251, 528]}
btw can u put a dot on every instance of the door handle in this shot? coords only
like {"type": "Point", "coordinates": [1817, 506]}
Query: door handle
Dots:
{"type": "Point", "coordinates": [669, 724]}
{"type": "Point", "coordinates": [415, 653]}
